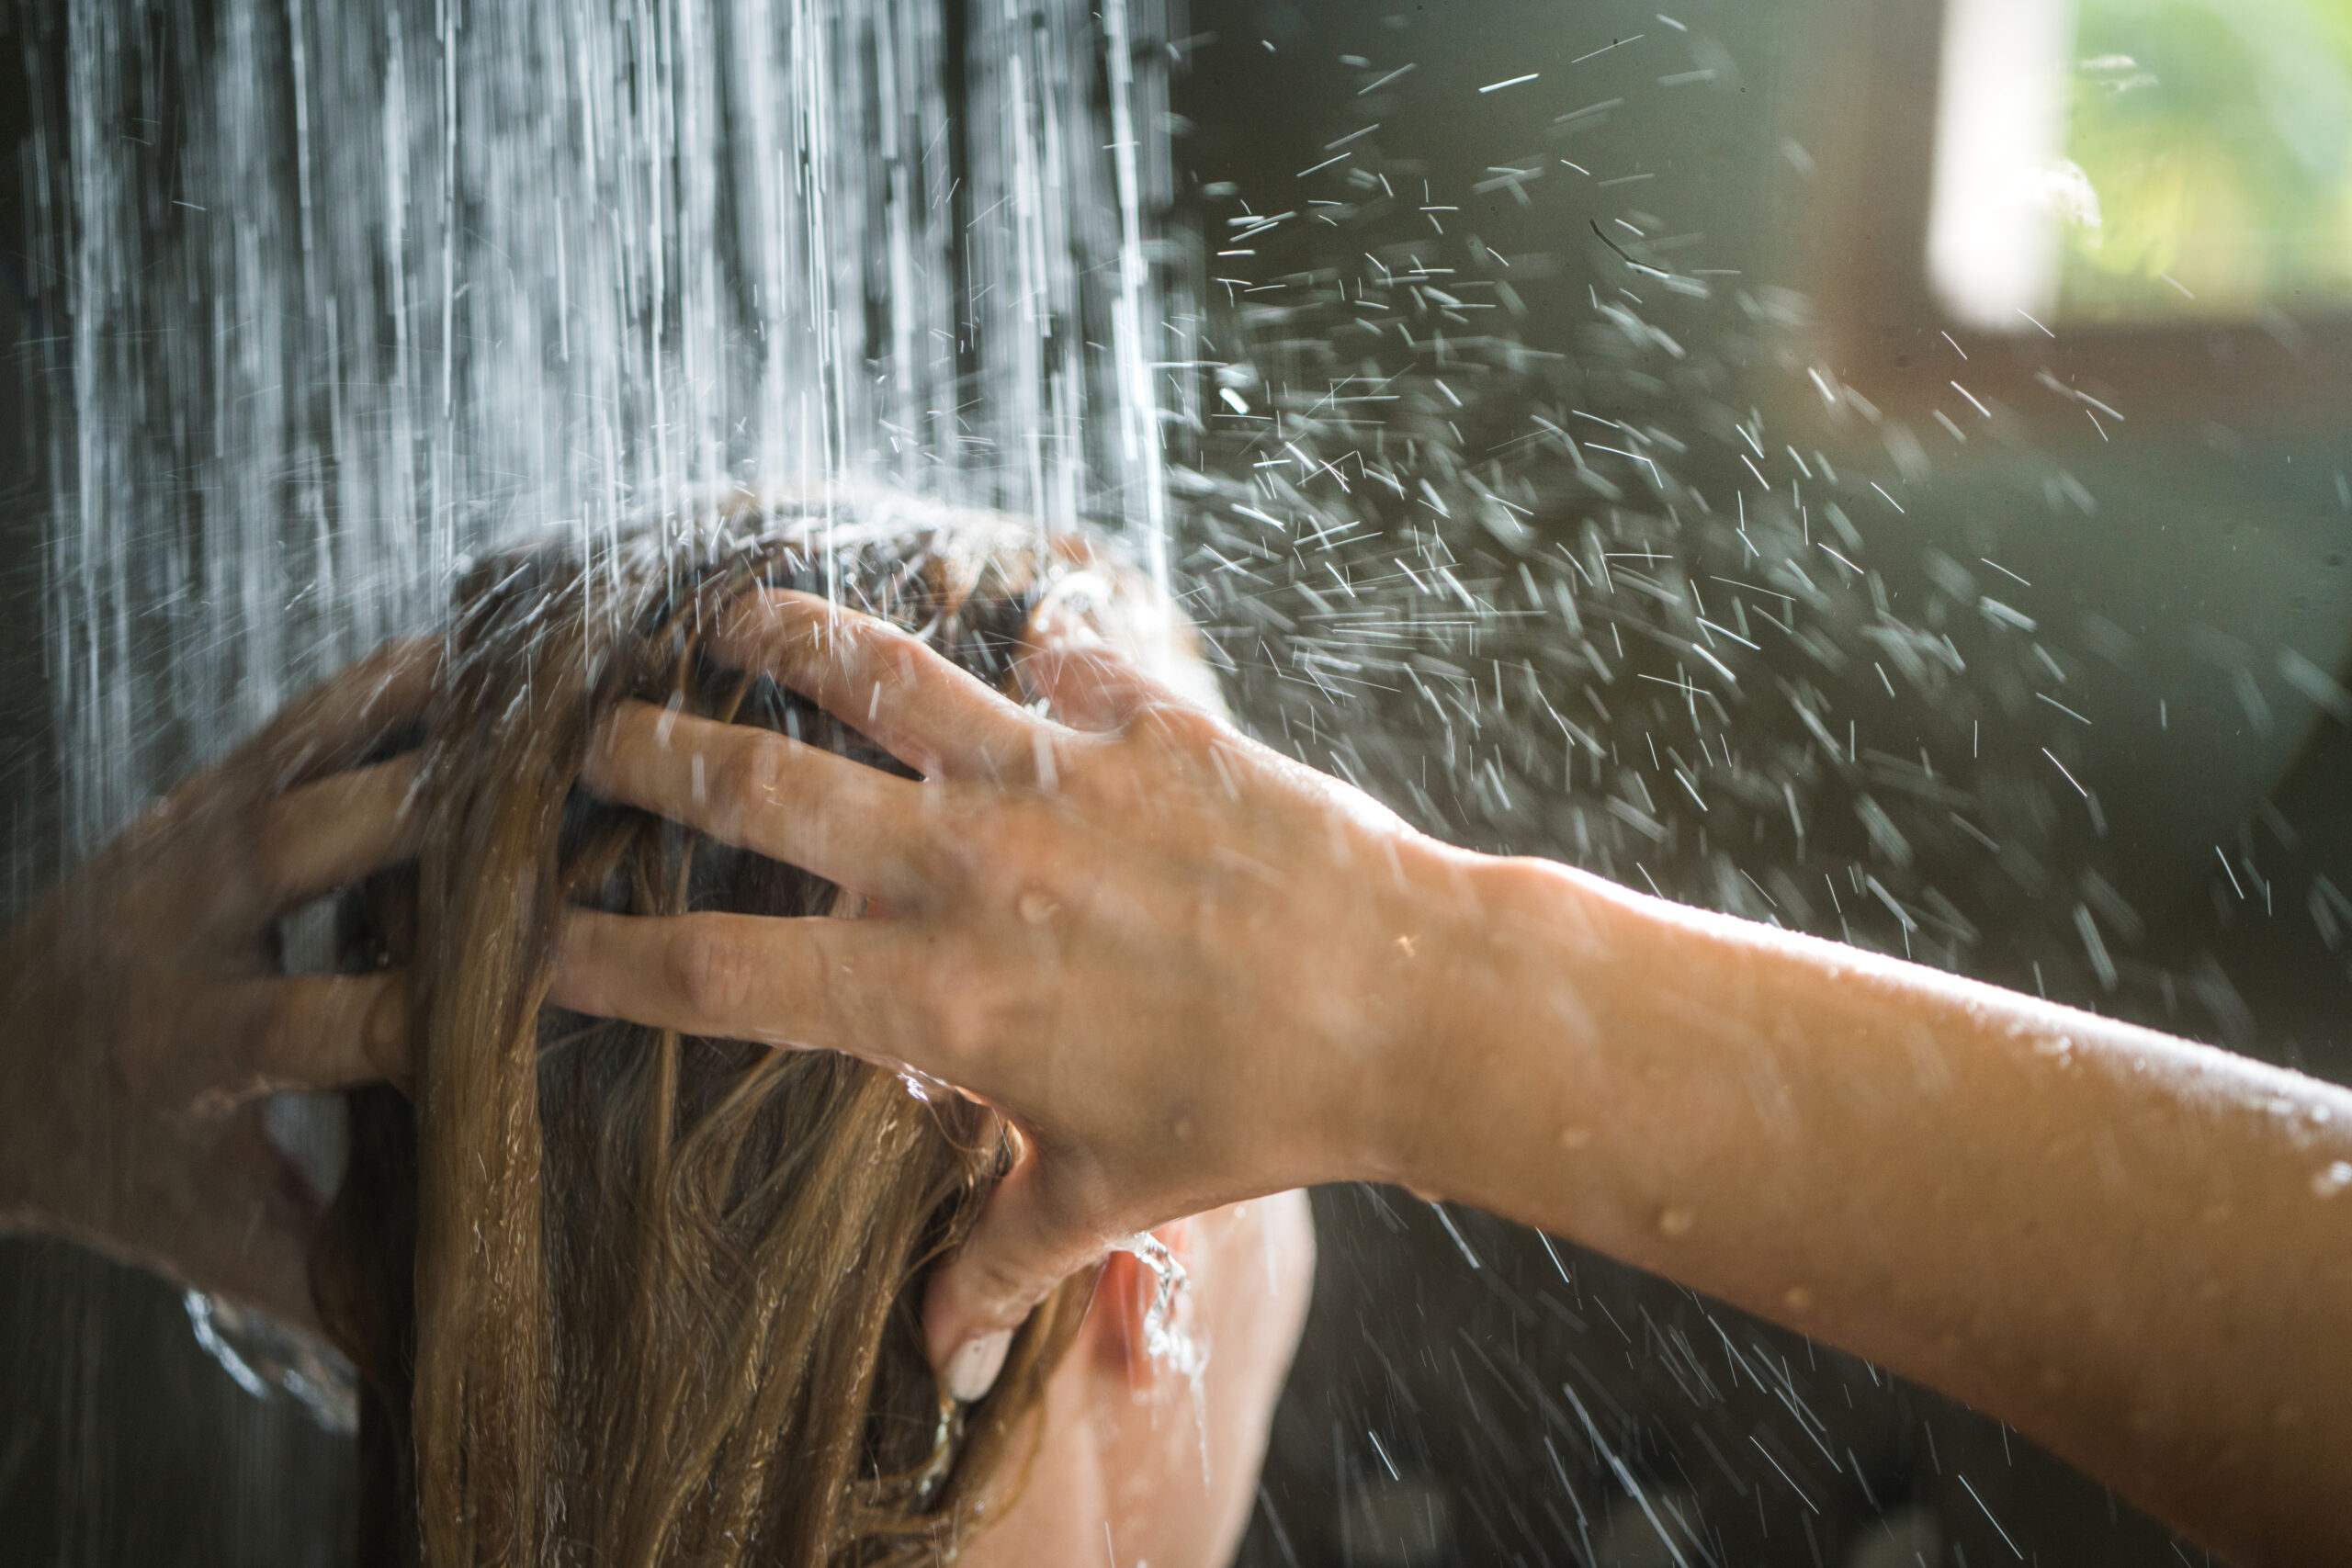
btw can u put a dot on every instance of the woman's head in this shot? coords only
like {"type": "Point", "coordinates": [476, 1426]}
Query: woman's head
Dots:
{"type": "Point", "coordinates": [620, 1296]}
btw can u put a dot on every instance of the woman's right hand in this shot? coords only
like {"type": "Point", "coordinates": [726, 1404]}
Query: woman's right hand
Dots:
{"type": "Point", "coordinates": [1177, 961]}
{"type": "Point", "coordinates": [146, 1008]}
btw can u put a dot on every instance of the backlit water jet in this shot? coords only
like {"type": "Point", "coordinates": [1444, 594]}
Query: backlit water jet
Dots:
{"type": "Point", "coordinates": [356, 290]}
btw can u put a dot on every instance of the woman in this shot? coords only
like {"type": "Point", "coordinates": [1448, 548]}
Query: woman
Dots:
{"type": "Point", "coordinates": [1193, 972]}
{"type": "Point", "coordinates": [618, 1295]}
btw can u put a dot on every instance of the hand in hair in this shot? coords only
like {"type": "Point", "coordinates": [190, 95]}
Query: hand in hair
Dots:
{"type": "Point", "coordinates": [1066, 920]}
{"type": "Point", "coordinates": [1192, 971]}
{"type": "Point", "coordinates": [145, 1006]}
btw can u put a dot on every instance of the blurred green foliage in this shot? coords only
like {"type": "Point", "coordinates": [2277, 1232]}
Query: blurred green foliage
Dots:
{"type": "Point", "coordinates": [2211, 152]}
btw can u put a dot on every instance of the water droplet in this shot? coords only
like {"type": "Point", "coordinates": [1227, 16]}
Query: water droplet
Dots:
{"type": "Point", "coordinates": [1675, 1224]}
{"type": "Point", "coordinates": [1575, 1138]}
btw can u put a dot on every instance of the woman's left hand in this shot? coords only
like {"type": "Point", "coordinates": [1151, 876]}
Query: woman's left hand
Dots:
{"type": "Point", "coordinates": [145, 1007]}
{"type": "Point", "coordinates": [1184, 965]}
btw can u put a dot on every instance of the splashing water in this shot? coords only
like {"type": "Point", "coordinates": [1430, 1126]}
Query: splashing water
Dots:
{"type": "Point", "coordinates": [1525, 496]}
{"type": "Point", "coordinates": [1167, 1340]}
{"type": "Point", "coordinates": [1164, 1339]}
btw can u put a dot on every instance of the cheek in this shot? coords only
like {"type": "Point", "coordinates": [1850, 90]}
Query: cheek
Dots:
{"type": "Point", "coordinates": [1259, 1257]}
{"type": "Point", "coordinates": [1165, 1463]}
{"type": "Point", "coordinates": [1286, 1255]}
{"type": "Point", "coordinates": [1185, 1452]}
{"type": "Point", "coordinates": [1057, 1518]}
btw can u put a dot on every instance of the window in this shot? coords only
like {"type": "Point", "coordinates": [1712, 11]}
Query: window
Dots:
{"type": "Point", "coordinates": [2142, 160]}
{"type": "Point", "coordinates": [2163, 186]}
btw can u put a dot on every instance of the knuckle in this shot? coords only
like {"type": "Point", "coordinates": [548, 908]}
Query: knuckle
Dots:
{"type": "Point", "coordinates": [709, 970]}
{"type": "Point", "coordinates": [383, 1032]}
{"type": "Point", "coordinates": [294, 1034]}
{"type": "Point", "coordinates": [1025, 846]}
{"type": "Point", "coordinates": [958, 1025]}
{"type": "Point", "coordinates": [750, 778]}
{"type": "Point", "coordinates": [283, 1030]}
{"type": "Point", "coordinates": [958, 849]}
{"type": "Point", "coordinates": [969, 1011]}
{"type": "Point", "coordinates": [933, 843]}
{"type": "Point", "coordinates": [866, 639]}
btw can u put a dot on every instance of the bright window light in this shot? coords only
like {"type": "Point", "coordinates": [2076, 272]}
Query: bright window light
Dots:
{"type": "Point", "coordinates": [2000, 124]}
{"type": "Point", "coordinates": [2143, 160]}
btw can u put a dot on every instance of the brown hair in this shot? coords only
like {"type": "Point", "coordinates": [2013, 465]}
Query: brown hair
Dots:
{"type": "Point", "coordinates": [618, 1296]}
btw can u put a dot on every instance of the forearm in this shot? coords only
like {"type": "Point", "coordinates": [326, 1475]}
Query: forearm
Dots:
{"type": "Point", "coordinates": [2122, 1244]}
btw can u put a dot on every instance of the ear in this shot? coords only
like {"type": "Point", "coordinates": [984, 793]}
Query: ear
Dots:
{"type": "Point", "coordinates": [1115, 1331]}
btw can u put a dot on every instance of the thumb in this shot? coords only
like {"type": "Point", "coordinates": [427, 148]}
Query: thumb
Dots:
{"type": "Point", "coordinates": [1024, 1246]}
{"type": "Point", "coordinates": [1084, 677]}
{"type": "Point", "coordinates": [1091, 685]}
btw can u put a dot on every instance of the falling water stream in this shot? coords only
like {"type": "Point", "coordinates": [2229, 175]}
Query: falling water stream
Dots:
{"type": "Point", "coordinates": [389, 283]}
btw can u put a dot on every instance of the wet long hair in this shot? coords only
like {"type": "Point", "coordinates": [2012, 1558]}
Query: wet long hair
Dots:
{"type": "Point", "coordinates": [620, 1296]}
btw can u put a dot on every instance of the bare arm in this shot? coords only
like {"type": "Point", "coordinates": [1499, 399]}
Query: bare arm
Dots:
{"type": "Point", "coordinates": [1194, 972]}
{"type": "Point", "coordinates": [2136, 1249]}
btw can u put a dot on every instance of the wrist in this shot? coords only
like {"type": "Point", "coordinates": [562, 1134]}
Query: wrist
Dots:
{"type": "Point", "coordinates": [1513, 985]}
{"type": "Point", "coordinates": [1440, 977]}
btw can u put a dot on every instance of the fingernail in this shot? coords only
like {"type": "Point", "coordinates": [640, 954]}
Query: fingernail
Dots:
{"type": "Point", "coordinates": [1065, 617]}
{"type": "Point", "coordinates": [972, 1370]}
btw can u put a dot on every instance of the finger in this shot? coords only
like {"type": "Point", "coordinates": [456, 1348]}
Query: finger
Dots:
{"type": "Point", "coordinates": [337, 724]}
{"type": "Point", "coordinates": [1091, 685]}
{"type": "Point", "coordinates": [763, 792]}
{"type": "Point", "coordinates": [1026, 1243]}
{"type": "Point", "coordinates": [304, 1031]}
{"type": "Point", "coordinates": [328, 834]}
{"type": "Point", "coordinates": [885, 683]}
{"type": "Point", "coordinates": [814, 983]}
